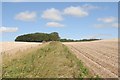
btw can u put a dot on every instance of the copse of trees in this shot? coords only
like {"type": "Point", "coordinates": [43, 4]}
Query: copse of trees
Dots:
{"type": "Point", "coordinates": [38, 37]}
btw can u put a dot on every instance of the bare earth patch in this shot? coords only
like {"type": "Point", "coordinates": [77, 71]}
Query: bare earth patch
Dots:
{"type": "Point", "coordinates": [101, 57]}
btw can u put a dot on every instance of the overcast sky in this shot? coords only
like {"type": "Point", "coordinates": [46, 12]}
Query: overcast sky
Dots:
{"type": "Point", "coordinates": [76, 20]}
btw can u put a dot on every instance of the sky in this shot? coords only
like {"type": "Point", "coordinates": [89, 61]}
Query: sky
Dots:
{"type": "Point", "coordinates": [74, 20]}
{"type": "Point", "coordinates": [60, 0]}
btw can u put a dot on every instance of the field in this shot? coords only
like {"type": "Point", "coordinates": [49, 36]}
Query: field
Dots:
{"type": "Point", "coordinates": [49, 60]}
{"type": "Point", "coordinates": [56, 60]}
{"type": "Point", "coordinates": [13, 47]}
{"type": "Point", "coordinates": [101, 57]}
{"type": "Point", "coordinates": [15, 50]}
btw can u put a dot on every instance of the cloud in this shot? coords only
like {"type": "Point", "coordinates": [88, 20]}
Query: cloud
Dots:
{"type": "Point", "coordinates": [54, 24]}
{"type": "Point", "coordinates": [52, 14]}
{"type": "Point", "coordinates": [98, 36]}
{"type": "Point", "coordinates": [57, 15]}
{"type": "Point", "coordinates": [114, 25]}
{"type": "Point", "coordinates": [107, 19]}
{"type": "Point", "coordinates": [8, 29]}
{"type": "Point", "coordinates": [89, 7]}
{"type": "Point", "coordinates": [107, 22]}
{"type": "Point", "coordinates": [26, 16]}
{"type": "Point", "coordinates": [75, 11]}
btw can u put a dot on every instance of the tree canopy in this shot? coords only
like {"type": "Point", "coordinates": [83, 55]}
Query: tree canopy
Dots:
{"type": "Point", "coordinates": [38, 37]}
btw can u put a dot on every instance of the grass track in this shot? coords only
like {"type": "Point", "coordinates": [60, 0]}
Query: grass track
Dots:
{"type": "Point", "coordinates": [53, 60]}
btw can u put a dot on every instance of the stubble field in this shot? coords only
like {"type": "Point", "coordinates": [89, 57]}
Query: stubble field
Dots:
{"type": "Point", "coordinates": [11, 48]}
{"type": "Point", "coordinates": [101, 57]}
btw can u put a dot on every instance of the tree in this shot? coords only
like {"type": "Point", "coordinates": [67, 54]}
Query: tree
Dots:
{"type": "Point", "coordinates": [54, 36]}
{"type": "Point", "coordinates": [38, 37]}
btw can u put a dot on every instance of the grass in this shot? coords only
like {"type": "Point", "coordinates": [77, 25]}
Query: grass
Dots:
{"type": "Point", "coordinates": [53, 60]}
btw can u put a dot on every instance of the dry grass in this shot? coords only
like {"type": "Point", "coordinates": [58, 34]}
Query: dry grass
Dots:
{"type": "Point", "coordinates": [53, 60]}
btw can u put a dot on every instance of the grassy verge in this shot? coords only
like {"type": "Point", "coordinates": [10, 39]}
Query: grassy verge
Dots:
{"type": "Point", "coordinates": [53, 60]}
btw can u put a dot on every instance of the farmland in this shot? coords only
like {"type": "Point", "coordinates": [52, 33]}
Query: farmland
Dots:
{"type": "Point", "coordinates": [57, 39]}
{"type": "Point", "coordinates": [49, 60]}
{"type": "Point", "coordinates": [56, 60]}
{"type": "Point", "coordinates": [13, 47]}
{"type": "Point", "coordinates": [101, 57]}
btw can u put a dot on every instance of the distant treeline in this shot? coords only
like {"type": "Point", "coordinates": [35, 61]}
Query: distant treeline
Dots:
{"type": "Point", "coordinates": [71, 40]}
{"type": "Point", "coordinates": [40, 37]}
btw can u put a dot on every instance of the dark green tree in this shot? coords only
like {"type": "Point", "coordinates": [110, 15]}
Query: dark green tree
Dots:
{"type": "Point", "coordinates": [38, 37]}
